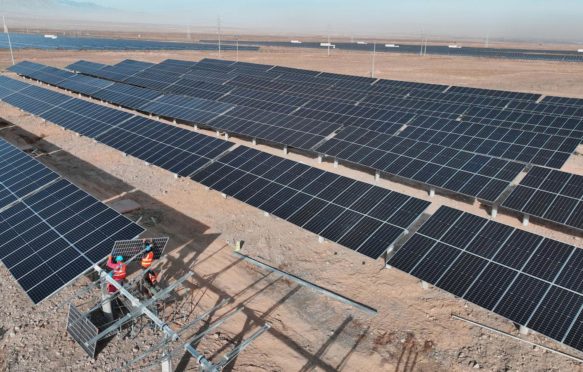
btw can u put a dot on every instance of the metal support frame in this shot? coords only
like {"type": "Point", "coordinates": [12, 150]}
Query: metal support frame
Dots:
{"type": "Point", "coordinates": [228, 358]}
{"type": "Point", "coordinates": [139, 307]}
{"type": "Point", "coordinates": [304, 283]}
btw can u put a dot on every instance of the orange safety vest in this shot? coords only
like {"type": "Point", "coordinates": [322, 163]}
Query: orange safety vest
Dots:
{"type": "Point", "coordinates": [119, 273]}
{"type": "Point", "coordinates": [147, 260]}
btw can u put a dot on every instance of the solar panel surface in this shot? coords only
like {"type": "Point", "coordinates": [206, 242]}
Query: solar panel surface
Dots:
{"type": "Point", "coordinates": [51, 231]}
{"type": "Point", "coordinates": [529, 279]}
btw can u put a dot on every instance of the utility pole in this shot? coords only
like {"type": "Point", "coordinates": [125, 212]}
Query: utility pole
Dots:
{"type": "Point", "coordinates": [9, 41]}
{"type": "Point", "coordinates": [328, 40]}
{"type": "Point", "coordinates": [219, 33]}
{"type": "Point", "coordinates": [237, 59]}
{"type": "Point", "coordinates": [374, 52]}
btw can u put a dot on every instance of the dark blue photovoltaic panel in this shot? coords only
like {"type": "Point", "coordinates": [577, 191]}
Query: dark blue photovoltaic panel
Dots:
{"type": "Point", "coordinates": [51, 231]}
{"type": "Point", "coordinates": [478, 176]}
{"type": "Point", "coordinates": [550, 195]}
{"type": "Point", "coordinates": [314, 200]}
{"type": "Point", "coordinates": [38, 41]}
{"type": "Point", "coordinates": [531, 280]}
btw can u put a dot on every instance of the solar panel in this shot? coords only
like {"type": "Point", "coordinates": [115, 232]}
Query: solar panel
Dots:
{"type": "Point", "coordinates": [81, 330]}
{"type": "Point", "coordinates": [177, 150]}
{"type": "Point", "coordinates": [550, 195]}
{"type": "Point", "coordinates": [524, 146]}
{"type": "Point", "coordinates": [478, 176]}
{"type": "Point", "coordinates": [26, 67]}
{"type": "Point", "coordinates": [527, 278]}
{"type": "Point", "coordinates": [189, 109]}
{"type": "Point", "coordinates": [84, 84]}
{"type": "Point", "coordinates": [126, 95]}
{"type": "Point", "coordinates": [85, 67]}
{"type": "Point", "coordinates": [135, 248]}
{"type": "Point", "coordinates": [51, 231]}
{"type": "Point", "coordinates": [365, 218]}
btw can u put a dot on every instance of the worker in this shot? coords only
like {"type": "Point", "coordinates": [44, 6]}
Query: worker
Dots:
{"type": "Point", "coordinates": [119, 271]}
{"type": "Point", "coordinates": [148, 258]}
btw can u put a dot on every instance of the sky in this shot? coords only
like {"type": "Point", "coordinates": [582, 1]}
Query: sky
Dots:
{"type": "Point", "coordinates": [508, 19]}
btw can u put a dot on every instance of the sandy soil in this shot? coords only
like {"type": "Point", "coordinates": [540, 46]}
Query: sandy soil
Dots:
{"type": "Point", "coordinates": [413, 329]}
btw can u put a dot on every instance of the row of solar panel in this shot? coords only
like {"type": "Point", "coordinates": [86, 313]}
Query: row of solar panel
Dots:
{"type": "Point", "coordinates": [185, 153]}
{"type": "Point", "coordinates": [536, 121]}
{"type": "Point", "coordinates": [438, 166]}
{"type": "Point", "coordinates": [531, 280]}
{"type": "Point", "coordinates": [550, 195]}
{"type": "Point", "coordinates": [301, 133]}
{"type": "Point", "coordinates": [35, 41]}
{"type": "Point", "coordinates": [430, 92]}
{"type": "Point", "coordinates": [51, 232]}
{"type": "Point", "coordinates": [470, 174]}
{"type": "Point", "coordinates": [522, 137]}
{"type": "Point", "coordinates": [503, 53]}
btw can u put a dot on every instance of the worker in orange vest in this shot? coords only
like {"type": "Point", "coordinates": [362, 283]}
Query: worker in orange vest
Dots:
{"type": "Point", "coordinates": [119, 272]}
{"type": "Point", "coordinates": [149, 256]}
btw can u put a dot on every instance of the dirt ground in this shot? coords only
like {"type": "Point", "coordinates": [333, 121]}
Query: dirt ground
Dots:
{"type": "Point", "coordinates": [413, 331]}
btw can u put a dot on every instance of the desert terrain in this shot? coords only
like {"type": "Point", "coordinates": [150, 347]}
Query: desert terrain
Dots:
{"type": "Point", "coordinates": [413, 330]}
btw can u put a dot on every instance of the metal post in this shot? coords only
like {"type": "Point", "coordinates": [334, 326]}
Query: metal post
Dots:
{"type": "Point", "coordinates": [9, 41]}
{"type": "Point", "coordinates": [494, 211]}
{"type": "Point", "coordinates": [166, 364]}
{"type": "Point", "coordinates": [219, 34]}
{"type": "Point", "coordinates": [106, 303]}
{"type": "Point", "coordinates": [304, 283]}
{"type": "Point", "coordinates": [374, 50]}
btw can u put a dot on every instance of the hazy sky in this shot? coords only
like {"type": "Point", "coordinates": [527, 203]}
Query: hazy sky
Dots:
{"type": "Point", "coordinates": [513, 19]}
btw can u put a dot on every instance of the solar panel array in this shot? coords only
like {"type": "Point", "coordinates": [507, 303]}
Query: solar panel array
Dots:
{"type": "Point", "coordinates": [38, 41]}
{"type": "Point", "coordinates": [444, 50]}
{"type": "Point", "coordinates": [531, 280]}
{"type": "Point", "coordinates": [380, 213]}
{"type": "Point", "coordinates": [51, 232]}
{"type": "Point", "coordinates": [466, 173]}
{"type": "Point", "coordinates": [135, 248]}
{"type": "Point", "coordinates": [551, 195]}
{"type": "Point", "coordinates": [503, 124]}
{"type": "Point", "coordinates": [360, 216]}
{"type": "Point", "coordinates": [498, 143]}
{"type": "Point", "coordinates": [81, 330]}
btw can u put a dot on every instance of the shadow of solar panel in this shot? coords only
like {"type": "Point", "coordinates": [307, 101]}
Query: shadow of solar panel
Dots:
{"type": "Point", "coordinates": [136, 248]}
{"type": "Point", "coordinates": [81, 330]}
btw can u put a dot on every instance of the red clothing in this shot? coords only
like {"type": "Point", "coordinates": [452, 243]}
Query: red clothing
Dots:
{"type": "Point", "coordinates": [119, 269]}
{"type": "Point", "coordinates": [147, 260]}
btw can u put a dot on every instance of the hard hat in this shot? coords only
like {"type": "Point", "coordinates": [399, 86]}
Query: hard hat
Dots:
{"type": "Point", "coordinates": [119, 259]}
{"type": "Point", "coordinates": [148, 247]}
